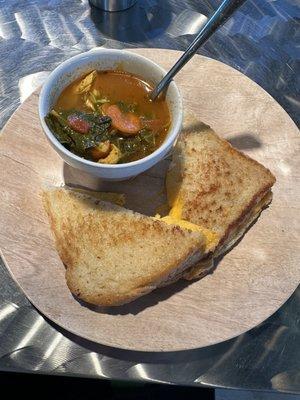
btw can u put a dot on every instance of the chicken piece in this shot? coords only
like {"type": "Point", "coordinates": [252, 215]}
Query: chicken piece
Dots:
{"type": "Point", "coordinates": [101, 151]}
{"type": "Point", "coordinates": [113, 157]}
{"type": "Point", "coordinates": [86, 83]}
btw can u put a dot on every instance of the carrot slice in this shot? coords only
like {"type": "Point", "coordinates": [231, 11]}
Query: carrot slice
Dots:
{"type": "Point", "coordinates": [127, 123]}
{"type": "Point", "coordinates": [78, 124]}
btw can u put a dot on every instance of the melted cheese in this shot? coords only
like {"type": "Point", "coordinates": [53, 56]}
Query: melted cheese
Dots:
{"type": "Point", "coordinates": [174, 218]}
{"type": "Point", "coordinates": [211, 238]}
{"type": "Point", "coordinates": [176, 210]}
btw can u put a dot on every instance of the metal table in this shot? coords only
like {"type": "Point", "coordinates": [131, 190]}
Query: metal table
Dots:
{"type": "Point", "coordinates": [261, 41]}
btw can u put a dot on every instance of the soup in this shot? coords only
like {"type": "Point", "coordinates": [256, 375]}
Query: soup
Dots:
{"type": "Point", "coordinates": [108, 117]}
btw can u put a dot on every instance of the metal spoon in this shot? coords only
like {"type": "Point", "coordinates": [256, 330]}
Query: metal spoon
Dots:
{"type": "Point", "coordinates": [223, 12]}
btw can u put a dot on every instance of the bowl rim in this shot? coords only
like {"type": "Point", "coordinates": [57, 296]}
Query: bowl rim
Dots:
{"type": "Point", "coordinates": [59, 71]}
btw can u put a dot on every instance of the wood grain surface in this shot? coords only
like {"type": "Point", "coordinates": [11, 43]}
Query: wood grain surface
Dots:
{"type": "Point", "coordinates": [251, 282]}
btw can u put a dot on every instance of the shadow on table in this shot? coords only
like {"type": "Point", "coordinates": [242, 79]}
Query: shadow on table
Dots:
{"type": "Point", "coordinates": [137, 24]}
{"type": "Point", "coordinates": [160, 361]}
{"type": "Point", "coordinates": [140, 304]}
{"type": "Point", "coordinates": [245, 141]}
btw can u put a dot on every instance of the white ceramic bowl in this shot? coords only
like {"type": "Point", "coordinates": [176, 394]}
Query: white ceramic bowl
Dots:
{"type": "Point", "coordinates": [104, 59]}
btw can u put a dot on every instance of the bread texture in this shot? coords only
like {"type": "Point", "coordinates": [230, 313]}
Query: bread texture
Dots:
{"type": "Point", "coordinates": [207, 264]}
{"type": "Point", "coordinates": [212, 184]}
{"type": "Point", "coordinates": [113, 255]}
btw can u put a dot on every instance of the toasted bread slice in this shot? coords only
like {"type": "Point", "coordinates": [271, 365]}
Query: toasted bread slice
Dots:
{"type": "Point", "coordinates": [217, 187]}
{"type": "Point", "coordinates": [114, 255]}
{"type": "Point", "coordinates": [206, 265]}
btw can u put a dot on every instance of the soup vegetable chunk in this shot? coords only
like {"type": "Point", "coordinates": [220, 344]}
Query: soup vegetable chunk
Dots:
{"type": "Point", "coordinates": [108, 117]}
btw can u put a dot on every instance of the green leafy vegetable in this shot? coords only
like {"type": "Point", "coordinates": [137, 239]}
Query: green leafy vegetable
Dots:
{"type": "Point", "coordinates": [127, 107]}
{"type": "Point", "coordinates": [135, 147]}
{"type": "Point", "coordinates": [78, 142]}
{"type": "Point", "coordinates": [99, 131]}
{"type": "Point", "coordinates": [57, 130]}
{"type": "Point", "coordinates": [147, 136]}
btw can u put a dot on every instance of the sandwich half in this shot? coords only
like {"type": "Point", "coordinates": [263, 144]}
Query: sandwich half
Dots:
{"type": "Point", "coordinates": [113, 255]}
{"type": "Point", "coordinates": [218, 188]}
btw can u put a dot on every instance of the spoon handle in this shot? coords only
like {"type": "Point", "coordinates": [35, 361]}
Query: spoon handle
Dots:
{"type": "Point", "coordinates": [223, 12]}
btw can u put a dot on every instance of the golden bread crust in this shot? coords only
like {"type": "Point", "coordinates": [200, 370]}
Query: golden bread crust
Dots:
{"type": "Point", "coordinates": [217, 184]}
{"type": "Point", "coordinates": [113, 255]}
{"type": "Point", "coordinates": [214, 185]}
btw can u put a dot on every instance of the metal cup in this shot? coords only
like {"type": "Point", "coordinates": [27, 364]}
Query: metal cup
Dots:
{"type": "Point", "coordinates": [113, 5]}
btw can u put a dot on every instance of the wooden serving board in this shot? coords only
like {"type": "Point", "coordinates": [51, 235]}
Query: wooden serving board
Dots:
{"type": "Point", "coordinates": [251, 282]}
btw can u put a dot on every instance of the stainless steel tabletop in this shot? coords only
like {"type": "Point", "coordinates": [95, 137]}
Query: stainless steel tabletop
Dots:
{"type": "Point", "coordinates": [262, 41]}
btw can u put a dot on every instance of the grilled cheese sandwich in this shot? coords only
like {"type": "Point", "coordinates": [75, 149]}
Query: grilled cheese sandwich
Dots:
{"type": "Point", "coordinates": [216, 187]}
{"type": "Point", "coordinates": [114, 255]}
